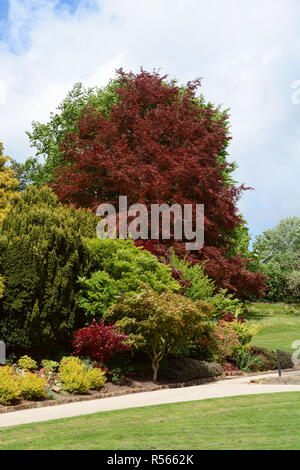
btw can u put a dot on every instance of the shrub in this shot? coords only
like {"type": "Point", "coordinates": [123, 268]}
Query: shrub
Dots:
{"type": "Point", "coordinates": [99, 342]}
{"type": "Point", "coordinates": [9, 387]}
{"type": "Point", "coordinates": [42, 253]}
{"type": "Point", "coordinates": [49, 366]}
{"type": "Point", "coordinates": [2, 286]}
{"type": "Point", "coordinates": [244, 331]}
{"type": "Point", "coordinates": [201, 287]}
{"type": "Point", "coordinates": [184, 369]}
{"type": "Point", "coordinates": [73, 376]}
{"type": "Point", "coordinates": [96, 378]}
{"type": "Point", "coordinates": [248, 361]}
{"type": "Point", "coordinates": [158, 324]}
{"type": "Point", "coordinates": [259, 359]}
{"type": "Point", "coordinates": [26, 363]}
{"type": "Point", "coordinates": [228, 341]}
{"type": "Point", "coordinates": [32, 386]}
{"type": "Point", "coordinates": [122, 268]}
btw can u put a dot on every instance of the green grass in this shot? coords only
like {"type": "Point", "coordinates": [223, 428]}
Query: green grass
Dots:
{"type": "Point", "coordinates": [280, 325]}
{"type": "Point", "coordinates": [269, 421]}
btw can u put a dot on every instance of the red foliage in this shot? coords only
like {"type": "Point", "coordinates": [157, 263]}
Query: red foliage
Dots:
{"type": "Point", "coordinates": [229, 317]}
{"type": "Point", "coordinates": [159, 146]}
{"type": "Point", "coordinates": [98, 341]}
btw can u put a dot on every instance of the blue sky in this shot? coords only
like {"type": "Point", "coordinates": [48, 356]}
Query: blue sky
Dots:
{"type": "Point", "coordinates": [247, 53]}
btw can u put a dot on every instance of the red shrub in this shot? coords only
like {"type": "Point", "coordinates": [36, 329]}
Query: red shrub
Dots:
{"type": "Point", "coordinates": [98, 341]}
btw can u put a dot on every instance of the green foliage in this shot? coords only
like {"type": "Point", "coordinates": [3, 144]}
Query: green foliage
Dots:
{"type": "Point", "coordinates": [245, 332]}
{"type": "Point", "coordinates": [50, 366]}
{"type": "Point", "coordinates": [124, 268]}
{"type": "Point", "coordinates": [203, 288]}
{"type": "Point", "coordinates": [253, 359]}
{"type": "Point", "coordinates": [9, 388]}
{"type": "Point", "coordinates": [96, 378]}
{"type": "Point", "coordinates": [8, 186]}
{"type": "Point", "coordinates": [246, 360]}
{"type": "Point", "coordinates": [42, 252]}
{"type": "Point", "coordinates": [73, 375]}
{"type": "Point", "coordinates": [32, 386]}
{"type": "Point", "coordinates": [293, 280]}
{"type": "Point", "coordinates": [46, 138]}
{"type": "Point", "coordinates": [2, 286]}
{"type": "Point", "coordinates": [76, 377]}
{"type": "Point", "coordinates": [26, 363]}
{"type": "Point", "coordinates": [278, 250]}
{"type": "Point", "coordinates": [158, 323]}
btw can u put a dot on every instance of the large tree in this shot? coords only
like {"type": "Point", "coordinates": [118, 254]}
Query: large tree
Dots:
{"type": "Point", "coordinates": [278, 250]}
{"type": "Point", "coordinates": [160, 143]}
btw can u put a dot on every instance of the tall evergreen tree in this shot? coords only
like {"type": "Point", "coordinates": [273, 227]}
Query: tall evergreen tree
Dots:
{"type": "Point", "coordinates": [42, 252]}
{"type": "Point", "coordinates": [8, 185]}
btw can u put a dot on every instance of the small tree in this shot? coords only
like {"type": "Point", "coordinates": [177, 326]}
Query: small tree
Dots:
{"type": "Point", "coordinates": [158, 323]}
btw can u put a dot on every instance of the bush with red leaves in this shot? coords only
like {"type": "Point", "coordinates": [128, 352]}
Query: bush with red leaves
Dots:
{"type": "Point", "coordinates": [229, 317]}
{"type": "Point", "coordinates": [99, 341]}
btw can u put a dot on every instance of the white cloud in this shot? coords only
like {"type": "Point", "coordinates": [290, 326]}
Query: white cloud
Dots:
{"type": "Point", "coordinates": [246, 52]}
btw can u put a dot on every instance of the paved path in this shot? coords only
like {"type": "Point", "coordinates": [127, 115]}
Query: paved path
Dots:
{"type": "Point", "coordinates": [222, 388]}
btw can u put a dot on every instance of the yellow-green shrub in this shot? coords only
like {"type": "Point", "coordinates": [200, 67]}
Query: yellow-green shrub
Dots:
{"type": "Point", "coordinates": [244, 331]}
{"type": "Point", "coordinates": [9, 387]}
{"type": "Point", "coordinates": [73, 375]}
{"type": "Point", "coordinates": [32, 386]}
{"type": "Point", "coordinates": [26, 363]}
{"type": "Point", "coordinates": [96, 378]}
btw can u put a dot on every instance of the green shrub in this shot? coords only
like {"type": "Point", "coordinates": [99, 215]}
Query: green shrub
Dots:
{"type": "Point", "coordinates": [26, 363]}
{"type": "Point", "coordinates": [9, 387]}
{"type": "Point", "coordinates": [96, 378]}
{"type": "Point", "coordinates": [122, 269]}
{"type": "Point", "coordinates": [184, 369]}
{"type": "Point", "coordinates": [201, 287]}
{"type": "Point", "coordinates": [42, 253]}
{"type": "Point", "coordinates": [50, 366]}
{"type": "Point", "coordinates": [260, 359]}
{"type": "Point", "coordinates": [2, 286]}
{"type": "Point", "coordinates": [32, 386]}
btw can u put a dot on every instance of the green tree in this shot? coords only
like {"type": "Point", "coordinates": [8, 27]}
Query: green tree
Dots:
{"type": "Point", "coordinates": [47, 137]}
{"type": "Point", "coordinates": [158, 323]}
{"type": "Point", "coordinates": [278, 250]}
{"type": "Point", "coordinates": [8, 186]}
{"type": "Point", "coordinates": [121, 269]}
{"type": "Point", "coordinates": [42, 252]}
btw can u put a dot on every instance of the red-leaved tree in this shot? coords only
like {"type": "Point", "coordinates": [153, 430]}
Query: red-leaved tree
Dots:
{"type": "Point", "coordinates": [161, 144]}
{"type": "Point", "coordinates": [99, 341]}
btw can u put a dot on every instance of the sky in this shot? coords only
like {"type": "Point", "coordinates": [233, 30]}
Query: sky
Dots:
{"type": "Point", "coordinates": [246, 51]}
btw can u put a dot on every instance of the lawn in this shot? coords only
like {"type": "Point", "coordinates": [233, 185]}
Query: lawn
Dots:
{"type": "Point", "coordinates": [269, 421]}
{"type": "Point", "coordinates": [280, 322]}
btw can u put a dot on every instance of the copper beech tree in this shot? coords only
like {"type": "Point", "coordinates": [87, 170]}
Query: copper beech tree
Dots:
{"type": "Point", "coordinates": [161, 143]}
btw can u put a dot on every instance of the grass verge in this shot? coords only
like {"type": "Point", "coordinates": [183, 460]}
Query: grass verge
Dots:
{"type": "Point", "coordinates": [268, 422]}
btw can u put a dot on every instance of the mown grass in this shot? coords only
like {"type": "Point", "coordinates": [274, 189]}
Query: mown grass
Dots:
{"type": "Point", "coordinates": [269, 421]}
{"type": "Point", "coordinates": [280, 325]}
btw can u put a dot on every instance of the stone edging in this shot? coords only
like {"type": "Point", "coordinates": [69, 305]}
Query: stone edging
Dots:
{"type": "Point", "coordinates": [80, 398]}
